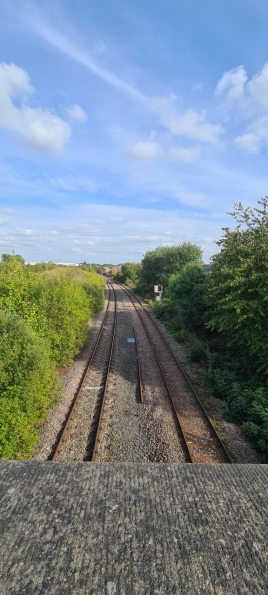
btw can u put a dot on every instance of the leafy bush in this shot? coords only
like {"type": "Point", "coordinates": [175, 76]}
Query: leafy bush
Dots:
{"type": "Point", "coordinates": [245, 399]}
{"type": "Point", "coordinates": [129, 274]}
{"type": "Point", "coordinates": [94, 288]}
{"type": "Point", "coordinates": [43, 322]}
{"type": "Point", "coordinates": [198, 351]}
{"type": "Point", "coordinates": [56, 303]}
{"type": "Point", "coordinates": [65, 307]}
{"type": "Point", "coordinates": [28, 385]}
{"type": "Point", "coordinates": [185, 292]}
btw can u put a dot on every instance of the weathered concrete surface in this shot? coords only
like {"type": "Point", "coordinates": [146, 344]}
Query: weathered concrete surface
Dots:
{"type": "Point", "coordinates": [121, 529]}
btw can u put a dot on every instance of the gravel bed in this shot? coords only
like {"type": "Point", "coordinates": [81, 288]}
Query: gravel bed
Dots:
{"type": "Point", "coordinates": [136, 432]}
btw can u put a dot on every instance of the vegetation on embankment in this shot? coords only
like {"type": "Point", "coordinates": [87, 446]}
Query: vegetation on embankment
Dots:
{"type": "Point", "coordinates": [158, 265]}
{"type": "Point", "coordinates": [222, 313]}
{"type": "Point", "coordinates": [129, 274]}
{"type": "Point", "coordinates": [44, 318]}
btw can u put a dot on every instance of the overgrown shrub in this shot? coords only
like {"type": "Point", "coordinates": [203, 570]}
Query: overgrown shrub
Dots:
{"type": "Point", "coordinates": [129, 274]}
{"type": "Point", "coordinates": [245, 399]}
{"type": "Point", "coordinates": [43, 323]}
{"type": "Point", "coordinates": [28, 385]}
{"type": "Point", "coordinates": [185, 292]}
{"type": "Point", "coordinates": [198, 351]}
{"type": "Point", "coordinates": [66, 311]}
{"type": "Point", "coordinates": [94, 288]}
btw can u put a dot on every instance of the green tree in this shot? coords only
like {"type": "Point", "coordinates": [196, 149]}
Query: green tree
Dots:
{"type": "Point", "coordinates": [129, 273]}
{"type": "Point", "coordinates": [8, 257]}
{"type": "Point", "coordinates": [185, 292]}
{"type": "Point", "coordinates": [237, 297]}
{"type": "Point", "coordinates": [158, 265]}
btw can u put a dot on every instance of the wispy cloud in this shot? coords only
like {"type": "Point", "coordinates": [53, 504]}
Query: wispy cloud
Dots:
{"type": "Point", "coordinates": [150, 151]}
{"type": "Point", "coordinates": [145, 150]}
{"type": "Point", "coordinates": [236, 87]}
{"type": "Point", "coordinates": [250, 95]}
{"type": "Point", "coordinates": [255, 136]}
{"type": "Point", "coordinates": [190, 123]}
{"type": "Point", "coordinates": [36, 21]}
{"type": "Point", "coordinates": [232, 84]}
{"type": "Point", "coordinates": [63, 238]}
{"type": "Point", "coordinates": [193, 125]}
{"type": "Point", "coordinates": [76, 112]}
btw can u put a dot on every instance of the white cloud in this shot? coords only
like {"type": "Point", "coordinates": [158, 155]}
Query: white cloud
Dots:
{"type": "Point", "coordinates": [82, 229]}
{"type": "Point", "coordinates": [154, 227]}
{"type": "Point", "coordinates": [256, 134]}
{"type": "Point", "coordinates": [84, 242]}
{"type": "Point", "coordinates": [183, 154]}
{"type": "Point", "coordinates": [260, 127]}
{"type": "Point", "coordinates": [192, 125]}
{"type": "Point", "coordinates": [257, 88]}
{"type": "Point", "coordinates": [192, 199]}
{"type": "Point", "coordinates": [233, 83]}
{"type": "Point", "coordinates": [57, 39]}
{"type": "Point", "coordinates": [75, 112]}
{"type": "Point", "coordinates": [72, 182]}
{"type": "Point", "coordinates": [251, 94]}
{"type": "Point", "coordinates": [116, 221]}
{"type": "Point", "coordinates": [145, 150]}
{"type": "Point", "coordinates": [151, 151]}
{"type": "Point", "coordinates": [39, 129]}
{"type": "Point", "coordinates": [250, 142]}
{"type": "Point", "coordinates": [6, 211]}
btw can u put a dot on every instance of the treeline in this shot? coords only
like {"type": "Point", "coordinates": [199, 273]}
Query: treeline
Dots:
{"type": "Point", "coordinates": [44, 314]}
{"type": "Point", "coordinates": [129, 274]}
{"type": "Point", "coordinates": [221, 311]}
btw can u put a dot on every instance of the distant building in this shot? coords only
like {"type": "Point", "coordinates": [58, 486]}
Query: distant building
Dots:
{"type": "Point", "coordinates": [105, 270]}
{"type": "Point", "coordinates": [116, 269]}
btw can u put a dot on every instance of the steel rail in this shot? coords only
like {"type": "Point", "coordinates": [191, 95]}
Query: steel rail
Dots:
{"type": "Point", "coordinates": [189, 382]}
{"type": "Point", "coordinates": [179, 418]}
{"type": "Point", "coordinates": [80, 386]}
{"type": "Point", "coordinates": [97, 438]}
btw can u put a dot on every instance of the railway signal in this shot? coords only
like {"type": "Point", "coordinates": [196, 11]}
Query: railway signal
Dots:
{"type": "Point", "coordinates": [158, 289]}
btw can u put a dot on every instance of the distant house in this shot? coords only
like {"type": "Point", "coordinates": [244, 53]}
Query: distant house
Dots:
{"type": "Point", "coordinates": [105, 270]}
{"type": "Point", "coordinates": [116, 270]}
{"type": "Point", "coordinates": [207, 267]}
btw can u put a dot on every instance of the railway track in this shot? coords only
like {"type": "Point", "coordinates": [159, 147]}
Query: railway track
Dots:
{"type": "Point", "coordinates": [79, 439]}
{"type": "Point", "coordinates": [91, 425]}
{"type": "Point", "coordinates": [201, 439]}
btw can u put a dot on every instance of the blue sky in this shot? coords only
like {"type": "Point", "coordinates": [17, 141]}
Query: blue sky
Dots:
{"type": "Point", "coordinates": [127, 125]}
